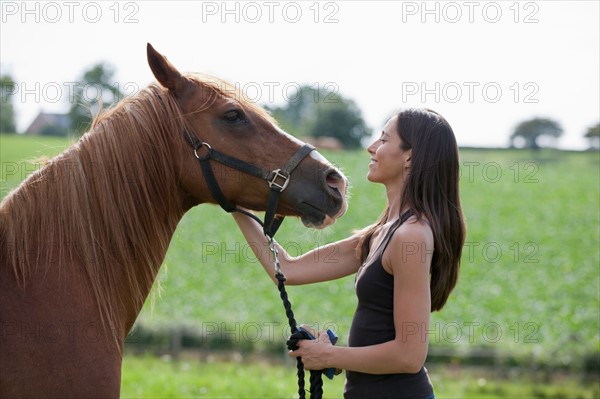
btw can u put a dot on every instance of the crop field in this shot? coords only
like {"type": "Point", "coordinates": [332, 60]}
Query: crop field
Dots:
{"type": "Point", "coordinates": [527, 292]}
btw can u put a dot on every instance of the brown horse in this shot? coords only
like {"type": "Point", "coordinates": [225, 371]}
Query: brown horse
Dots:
{"type": "Point", "coordinates": [82, 239]}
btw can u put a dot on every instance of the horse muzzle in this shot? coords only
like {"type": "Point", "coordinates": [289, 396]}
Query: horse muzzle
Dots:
{"type": "Point", "coordinates": [320, 207]}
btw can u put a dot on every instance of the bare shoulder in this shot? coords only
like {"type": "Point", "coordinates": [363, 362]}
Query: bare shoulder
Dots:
{"type": "Point", "coordinates": [413, 230]}
{"type": "Point", "coordinates": [410, 246]}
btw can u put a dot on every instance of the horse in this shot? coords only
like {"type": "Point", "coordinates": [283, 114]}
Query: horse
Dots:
{"type": "Point", "coordinates": [83, 238]}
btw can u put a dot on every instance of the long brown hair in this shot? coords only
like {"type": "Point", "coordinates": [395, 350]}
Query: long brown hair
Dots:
{"type": "Point", "coordinates": [431, 190]}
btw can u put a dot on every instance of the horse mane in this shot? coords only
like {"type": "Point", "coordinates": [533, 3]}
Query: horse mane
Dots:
{"type": "Point", "coordinates": [102, 205]}
{"type": "Point", "coordinates": [109, 203]}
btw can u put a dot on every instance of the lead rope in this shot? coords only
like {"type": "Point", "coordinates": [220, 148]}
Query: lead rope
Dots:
{"type": "Point", "coordinates": [316, 378]}
{"type": "Point", "coordinates": [278, 180]}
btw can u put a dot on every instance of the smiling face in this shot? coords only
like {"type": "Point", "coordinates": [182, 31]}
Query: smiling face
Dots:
{"type": "Point", "coordinates": [389, 161]}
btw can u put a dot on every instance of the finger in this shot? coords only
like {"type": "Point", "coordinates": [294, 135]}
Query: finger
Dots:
{"type": "Point", "coordinates": [293, 353]}
{"type": "Point", "coordinates": [324, 337]}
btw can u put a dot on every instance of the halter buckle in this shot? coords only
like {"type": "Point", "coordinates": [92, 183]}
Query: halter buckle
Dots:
{"type": "Point", "coordinates": [276, 175]}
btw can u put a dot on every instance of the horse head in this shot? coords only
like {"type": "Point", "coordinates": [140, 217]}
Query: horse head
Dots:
{"type": "Point", "coordinates": [219, 117]}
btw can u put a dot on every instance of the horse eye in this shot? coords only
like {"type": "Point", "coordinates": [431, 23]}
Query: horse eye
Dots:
{"type": "Point", "coordinates": [234, 116]}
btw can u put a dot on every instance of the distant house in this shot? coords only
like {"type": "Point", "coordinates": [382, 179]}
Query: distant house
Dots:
{"type": "Point", "coordinates": [50, 124]}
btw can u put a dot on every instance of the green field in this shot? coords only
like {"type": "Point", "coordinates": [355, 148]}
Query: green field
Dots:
{"type": "Point", "coordinates": [527, 294]}
{"type": "Point", "coordinates": [150, 377]}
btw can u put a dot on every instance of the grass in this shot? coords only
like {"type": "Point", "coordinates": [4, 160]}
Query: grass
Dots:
{"type": "Point", "coordinates": [529, 278]}
{"type": "Point", "coordinates": [527, 294]}
{"type": "Point", "coordinates": [150, 377]}
{"type": "Point", "coordinates": [20, 155]}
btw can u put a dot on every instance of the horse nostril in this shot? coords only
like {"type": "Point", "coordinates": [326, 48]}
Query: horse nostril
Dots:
{"type": "Point", "coordinates": [333, 180]}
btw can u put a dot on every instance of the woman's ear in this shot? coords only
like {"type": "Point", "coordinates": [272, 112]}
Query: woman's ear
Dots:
{"type": "Point", "coordinates": [407, 158]}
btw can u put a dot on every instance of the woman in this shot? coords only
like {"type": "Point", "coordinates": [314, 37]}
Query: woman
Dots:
{"type": "Point", "coordinates": [406, 263]}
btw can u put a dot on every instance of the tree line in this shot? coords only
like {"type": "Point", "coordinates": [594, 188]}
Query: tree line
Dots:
{"type": "Point", "coordinates": [307, 113]}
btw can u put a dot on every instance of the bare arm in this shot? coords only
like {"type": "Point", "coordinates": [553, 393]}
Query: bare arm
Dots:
{"type": "Point", "coordinates": [325, 263]}
{"type": "Point", "coordinates": [408, 257]}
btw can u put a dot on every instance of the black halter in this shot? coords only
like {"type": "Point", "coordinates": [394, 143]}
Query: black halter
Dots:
{"type": "Point", "coordinates": [277, 179]}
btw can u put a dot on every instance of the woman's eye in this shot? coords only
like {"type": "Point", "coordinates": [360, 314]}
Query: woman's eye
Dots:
{"type": "Point", "coordinates": [234, 116]}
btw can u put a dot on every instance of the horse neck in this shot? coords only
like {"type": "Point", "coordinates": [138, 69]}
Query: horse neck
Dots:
{"type": "Point", "coordinates": [110, 205]}
{"type": "Point", "coordinates": [140, 216]}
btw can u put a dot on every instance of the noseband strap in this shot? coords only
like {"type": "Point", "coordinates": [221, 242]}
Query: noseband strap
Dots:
{"type": "Point", "coordinates": [277, 179]}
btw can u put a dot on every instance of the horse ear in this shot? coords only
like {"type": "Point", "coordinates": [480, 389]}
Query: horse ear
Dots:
{"type": "Point", "coordinates": [166, 74]}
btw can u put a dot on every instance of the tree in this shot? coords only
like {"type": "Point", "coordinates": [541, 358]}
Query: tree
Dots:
{"type": "Point", "coordinates": [532, 130]}
{"type": "Point", "coordinates": [299, 112]}
{"type": "Point", "coordinates": [593, 135]}
{"type": "Point", "coordinates": [341, 120]}
{"type": "Point", "coordinates": [7, 111]}
{"type": "Point", "coordinates": [94, 87]}
{"type": "Point", "coordinates": [322, 113]}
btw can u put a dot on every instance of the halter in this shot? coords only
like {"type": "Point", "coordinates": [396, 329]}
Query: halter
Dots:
{"type": "Point", "coordinates": [277, 179]}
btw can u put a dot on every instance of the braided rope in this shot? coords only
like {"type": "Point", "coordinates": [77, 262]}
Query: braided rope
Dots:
{"type": "Point", "coordinates": [316, 384]}
{"type": "Point", "coordinates": [316, 380]}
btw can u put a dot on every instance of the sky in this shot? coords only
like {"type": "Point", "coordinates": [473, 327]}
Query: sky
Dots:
{"type": "Point", "coordinates": [485, 65]}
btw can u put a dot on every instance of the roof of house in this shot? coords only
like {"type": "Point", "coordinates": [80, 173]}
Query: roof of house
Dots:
{"type": "Point", "coordinates": [44, 119]}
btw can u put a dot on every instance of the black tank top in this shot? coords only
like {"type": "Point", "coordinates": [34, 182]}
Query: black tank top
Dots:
{"type": "Point", "coordinates": [373, 323]}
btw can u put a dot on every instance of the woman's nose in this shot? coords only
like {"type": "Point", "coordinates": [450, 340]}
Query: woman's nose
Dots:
{"type": "Point", "coordinates": [373, 147]}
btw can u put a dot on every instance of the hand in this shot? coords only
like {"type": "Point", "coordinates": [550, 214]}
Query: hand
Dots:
{"type": "Point", "coordinates": [316, 352]}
